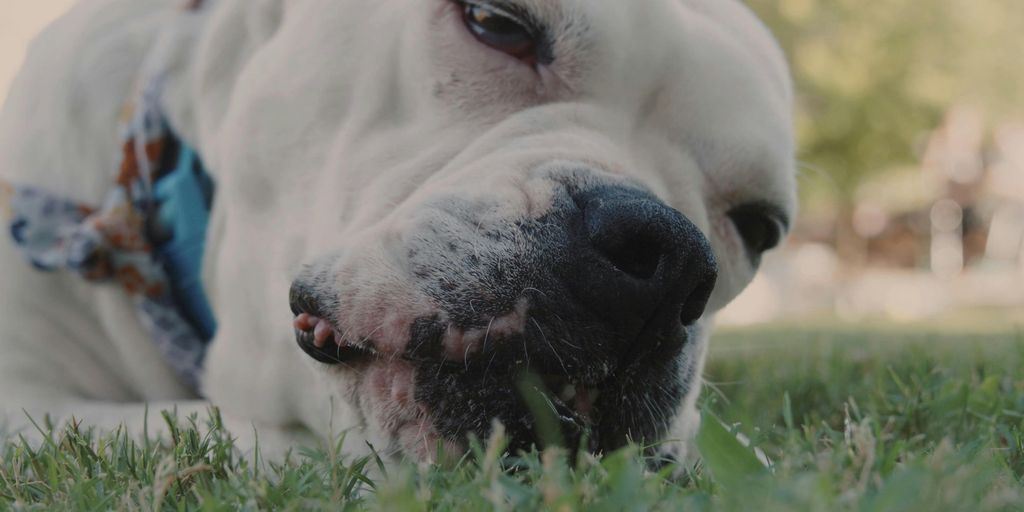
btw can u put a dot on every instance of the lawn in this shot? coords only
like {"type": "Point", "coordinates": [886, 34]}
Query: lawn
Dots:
{"type": "Point", "coordinates": [852, 418]}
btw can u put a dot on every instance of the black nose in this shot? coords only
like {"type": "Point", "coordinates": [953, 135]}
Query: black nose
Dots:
{"type": "Point", "coordinates": [639, 260]}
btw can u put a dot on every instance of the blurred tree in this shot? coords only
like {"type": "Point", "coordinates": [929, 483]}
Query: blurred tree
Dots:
{"type": "Point", "coordinates": [874, 78]}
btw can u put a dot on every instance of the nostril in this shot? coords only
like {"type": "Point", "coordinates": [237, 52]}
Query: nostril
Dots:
{"type": "Point", "coordinates": [627, 232]}
{"type": "Point", "coordinates": [637, 255]}
{"type": "Point", "coordinates": [694, 305]}
{"type": "Point", "coordinates": [639, 259]}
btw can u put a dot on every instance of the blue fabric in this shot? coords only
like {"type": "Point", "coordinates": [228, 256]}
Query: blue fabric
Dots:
{"type": "Point", "coordinates": [185, 196]}
{"type": "Point", "coordinates": [147, 235]}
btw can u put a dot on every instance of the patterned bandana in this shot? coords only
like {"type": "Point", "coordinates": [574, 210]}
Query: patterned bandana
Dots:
{"type": "Point", "coordinates": [147, 236]}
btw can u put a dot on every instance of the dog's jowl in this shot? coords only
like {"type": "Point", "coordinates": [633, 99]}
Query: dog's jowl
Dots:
{"type": "Point", "coordinates": [408, 221]}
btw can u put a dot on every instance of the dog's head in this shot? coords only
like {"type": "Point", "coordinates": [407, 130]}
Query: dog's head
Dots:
{"type": "Point", "coordinates": [477, 189]}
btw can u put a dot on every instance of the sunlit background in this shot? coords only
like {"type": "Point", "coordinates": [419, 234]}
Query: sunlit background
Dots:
{"type": "Point", "coordinates": [911, 127]}
{"type": "Point", "coordinates": [20, 20]}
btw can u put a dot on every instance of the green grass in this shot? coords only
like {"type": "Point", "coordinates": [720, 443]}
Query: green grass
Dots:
{"type": "Point", "coordinates": [859, 419]}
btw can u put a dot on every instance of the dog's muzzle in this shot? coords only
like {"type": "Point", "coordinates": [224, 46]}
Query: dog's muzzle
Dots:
{"type": "Point", "coordinates": [600, 293]}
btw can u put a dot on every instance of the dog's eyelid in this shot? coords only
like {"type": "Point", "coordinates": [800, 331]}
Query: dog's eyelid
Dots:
{"type": "Point", "coordinates": [513, 11]}
{"type": "Point", "coordinates": [500, 9]}
{"type": "Point", "coordinates": [505, 8]}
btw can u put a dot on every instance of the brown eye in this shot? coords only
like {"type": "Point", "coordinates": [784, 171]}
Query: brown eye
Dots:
{"type": "Point", "coordinates": [500, 30]}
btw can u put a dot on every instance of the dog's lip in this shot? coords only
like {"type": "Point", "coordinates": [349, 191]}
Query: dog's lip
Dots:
{"type": "Point", "coordinates": [321, 329]}
{"type": "Point", "coordinates": [318, 338]}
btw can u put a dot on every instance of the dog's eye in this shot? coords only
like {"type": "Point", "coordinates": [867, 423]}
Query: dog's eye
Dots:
{"type": "Point", "coordinates": [501, 30]}
{"type": "Point", "coordinates": [760, 226]}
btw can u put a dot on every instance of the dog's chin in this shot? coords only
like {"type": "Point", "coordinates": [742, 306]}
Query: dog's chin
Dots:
{"type": "Point", "coordinates": [419, 403]}
{"type": "Point", "coordinates": [631, 404]}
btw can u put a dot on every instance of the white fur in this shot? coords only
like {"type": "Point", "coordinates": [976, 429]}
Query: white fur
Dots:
{"type": "Point", "coordinates": [330, 125]}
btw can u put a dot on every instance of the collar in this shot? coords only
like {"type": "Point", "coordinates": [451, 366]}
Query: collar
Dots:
{"type": "Point", "coordinates": [148, 236]}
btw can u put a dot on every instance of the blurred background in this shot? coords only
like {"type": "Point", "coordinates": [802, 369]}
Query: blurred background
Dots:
{"type": "Point", "coordinates": [20, 20]}
{"type": "Point", "coordinates": [911, 129]}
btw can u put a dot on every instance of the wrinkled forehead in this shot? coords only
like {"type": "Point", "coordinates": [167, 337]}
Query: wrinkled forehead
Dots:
{"type": "Point", "coordinates": [654, 31]}
{"type": "Point", "coordinates": [705, 72]}
{"type": "Point", "coordinates": [615, 47]}
{"type": "Point", "coordinates": [705, 75]}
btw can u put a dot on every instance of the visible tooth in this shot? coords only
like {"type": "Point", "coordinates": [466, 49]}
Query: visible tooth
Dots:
{"type": "Point", "coordinates": [321, 333]}
{"type": "Point", "coordinates": [568, 393]}
{"type": "Point", "coordinates": [305, 322]}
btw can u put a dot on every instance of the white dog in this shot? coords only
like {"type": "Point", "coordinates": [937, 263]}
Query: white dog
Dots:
{"type": "Point", "coordinates": [431, 197]}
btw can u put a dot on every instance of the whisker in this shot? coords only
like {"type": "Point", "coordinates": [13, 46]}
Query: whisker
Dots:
{"type": "Point", "coordinates": [553, 351]}
{"type": "Point", "coordinates": [568, 339]}
{"type": "Point", "coordinates": [487, 334]}
{"type": "Point", "coordinates": [489, 363]}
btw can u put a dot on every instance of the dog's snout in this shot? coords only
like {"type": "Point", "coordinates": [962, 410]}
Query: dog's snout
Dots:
{"type": "Point", "coordinates": [640, 259]}
{"type": "Point", "coordinates": [302, 299]}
